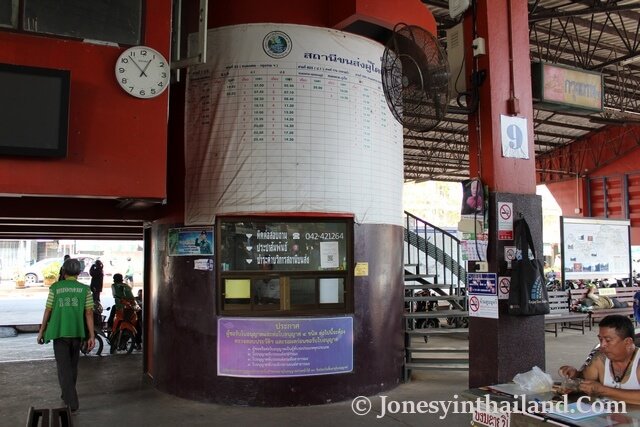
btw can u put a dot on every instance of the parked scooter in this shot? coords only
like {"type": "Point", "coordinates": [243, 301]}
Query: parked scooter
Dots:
{"type": "Point", "coordinates": [123, 333]}
{"type": "Point", "coordinates": [99, 330]}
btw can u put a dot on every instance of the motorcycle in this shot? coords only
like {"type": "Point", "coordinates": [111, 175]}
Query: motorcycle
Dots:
{"type": "Point", "coordinates": [123, 333]}
{"type": "Point", "coordinates": [99, 331]}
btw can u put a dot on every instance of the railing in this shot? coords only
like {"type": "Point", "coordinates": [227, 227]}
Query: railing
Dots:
{"type": "Point", "coordinates": [433, 251]}
{"type": "Point", "coordinates": [435, 297]}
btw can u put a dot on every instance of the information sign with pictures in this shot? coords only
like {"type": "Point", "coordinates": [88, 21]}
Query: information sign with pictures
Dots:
{"type": "Point", "coordinates": [595, 248]}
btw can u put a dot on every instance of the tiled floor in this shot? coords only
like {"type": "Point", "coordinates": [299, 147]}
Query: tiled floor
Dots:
{"type": "Point", "coordinates": [114, 392]}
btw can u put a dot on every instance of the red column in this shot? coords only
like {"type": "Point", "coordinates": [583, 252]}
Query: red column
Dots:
{"type": "Point", "coordinates": [501, 348]}
{"type": "Point", "coordinates": [504, 26]}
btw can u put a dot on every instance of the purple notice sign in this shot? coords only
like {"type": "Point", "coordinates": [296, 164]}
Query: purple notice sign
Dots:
{"type": "Point", "coordinates": [284, 347]}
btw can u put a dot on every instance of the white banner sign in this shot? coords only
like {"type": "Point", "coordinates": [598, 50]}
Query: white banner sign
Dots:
{"type": "Point", "coordinates": [290, 118]}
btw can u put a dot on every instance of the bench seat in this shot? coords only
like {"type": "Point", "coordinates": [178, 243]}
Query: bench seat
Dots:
{"type": "Point", "coordinates": [569, 320]}
{"type": "Point", "coordinates": [560, 316]}
{"type": "Point", "coordinates": [624, 295]}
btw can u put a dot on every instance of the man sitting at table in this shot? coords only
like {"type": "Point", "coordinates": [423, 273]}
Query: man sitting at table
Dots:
{"type": "Point", "coordinates": [613, 370]}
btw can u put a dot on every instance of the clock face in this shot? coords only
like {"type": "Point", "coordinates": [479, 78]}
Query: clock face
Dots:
{"type": "Point", "coordinates": [142, 72]}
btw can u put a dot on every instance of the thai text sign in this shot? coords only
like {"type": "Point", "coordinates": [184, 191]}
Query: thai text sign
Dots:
{"type": "Point", "coordinates": [568, 87]}
{"type": "Point", "coordinates": [314, 245]}
{"type": "Point", "coordinates": [284, 347]}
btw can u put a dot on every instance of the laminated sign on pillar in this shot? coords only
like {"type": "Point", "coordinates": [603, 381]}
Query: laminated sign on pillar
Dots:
{"type": "Point", "coordinates": [514, 137]}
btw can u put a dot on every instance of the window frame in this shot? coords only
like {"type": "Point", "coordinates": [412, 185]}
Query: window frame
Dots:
{"type": "Point", "coordinates": [285, 308]}
{"type": "Point", "coordinates": [21, 27]}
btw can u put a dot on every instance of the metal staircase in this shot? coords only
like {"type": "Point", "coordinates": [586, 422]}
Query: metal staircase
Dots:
{"type": "Point", "coordinates": [435, 297]}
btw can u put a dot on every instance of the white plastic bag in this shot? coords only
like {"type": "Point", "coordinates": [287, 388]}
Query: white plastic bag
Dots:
{"type": "Point", "coordinates": [535, 380]}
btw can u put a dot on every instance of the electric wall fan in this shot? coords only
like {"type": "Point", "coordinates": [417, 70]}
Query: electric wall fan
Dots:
{"type": "Point", "coordinates": [415, 78]}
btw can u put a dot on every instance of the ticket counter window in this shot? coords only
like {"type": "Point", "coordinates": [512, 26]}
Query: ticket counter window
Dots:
{"type": "Point", "coordinates": [271, 266]}
{"type": "Point", "coordinates": [331, 291]}
{"type": "Point", "coordinates": [303, 291]}
{"type": "Point", "coordinates": [266, 291]}
{"type": "Point", "coordinates": [237, 294]}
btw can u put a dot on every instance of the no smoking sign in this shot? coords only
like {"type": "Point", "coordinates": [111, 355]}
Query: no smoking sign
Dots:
{"type": "Point", "coordinates": [474, 304]}
{"type": "Point", "coordinates": [504, 284]}
{"type": "Point", "coordinates": [505, 221]}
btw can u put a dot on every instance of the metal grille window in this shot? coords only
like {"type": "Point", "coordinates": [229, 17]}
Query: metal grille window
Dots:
{"type": "Point", "coordinates": [9, 13]}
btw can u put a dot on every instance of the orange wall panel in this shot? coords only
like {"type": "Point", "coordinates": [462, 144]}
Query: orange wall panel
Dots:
{"type": "Point", "coordinates": [322, 13]}
{"type": "Point", "coordinates": [565, 194]}
{"type": "Point", "coordinates": [308, 12]}
{"type": "Point", "coordinates": [117, 144]}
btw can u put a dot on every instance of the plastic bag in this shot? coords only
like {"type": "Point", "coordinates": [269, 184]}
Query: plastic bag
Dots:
{"type": "Point", "coordinates": [535, 380]}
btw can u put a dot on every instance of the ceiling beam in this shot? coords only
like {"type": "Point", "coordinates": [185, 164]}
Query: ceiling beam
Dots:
{"type": "Point", "coordinates": [546, 14]}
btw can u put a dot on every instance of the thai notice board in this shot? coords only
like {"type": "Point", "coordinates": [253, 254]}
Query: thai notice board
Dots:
{"type": "Point", "coordinates": [284, 347]}
{"type": "Point", "coordinates": [297, 245]}
{"type": "Point", "coordinates": [483, 295]}
{"type": "Point", "coordinates": [482, 283]}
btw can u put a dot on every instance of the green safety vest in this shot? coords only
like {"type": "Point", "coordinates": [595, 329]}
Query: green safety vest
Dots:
{"type": "Point", "coordinates": [68, 300]}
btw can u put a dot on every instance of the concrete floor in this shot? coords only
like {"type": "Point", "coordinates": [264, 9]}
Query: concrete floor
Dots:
{"type": "Point", "coordinates": [114, 392]}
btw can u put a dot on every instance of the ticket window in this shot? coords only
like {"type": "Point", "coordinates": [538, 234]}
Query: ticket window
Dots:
{"type": "Point", "coordinates": [266, 293]}
{"type": "Point", "coordinates": [272, 266]}
{"type": "Point", "coordinates": [237, 294]}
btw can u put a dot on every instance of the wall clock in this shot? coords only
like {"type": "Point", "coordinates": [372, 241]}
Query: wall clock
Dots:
{"type": "Point", "coordinates": [142, 72]}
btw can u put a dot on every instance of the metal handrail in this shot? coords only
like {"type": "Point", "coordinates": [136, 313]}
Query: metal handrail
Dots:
{"type": "Point", "coordinates": [436, 250]}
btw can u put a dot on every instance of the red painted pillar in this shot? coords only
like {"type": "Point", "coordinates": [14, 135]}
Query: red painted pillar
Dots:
{"type": "Point", "coordinates": [500, 348]}
{"type": "Point", "coordinates": [508, 75]}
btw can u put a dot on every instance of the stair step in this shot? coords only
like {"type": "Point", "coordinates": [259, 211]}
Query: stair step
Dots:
{"type": "Point", "coordinates": [436, 350]}
{"type": "Point", "coordinates": [418, 276]}
{"type": "Point", "coordinates": [427, 286]}
{"type": "Point", "coordinates": [440, 360]}
{"type": "Point", "coordinates": [438, 331]}
{"type": "Point", "coordinates": [438, 298]}
{"type": "Point", "coordinates": [437, 365]}
{"type": "Point", "coordinates": [436, 313]}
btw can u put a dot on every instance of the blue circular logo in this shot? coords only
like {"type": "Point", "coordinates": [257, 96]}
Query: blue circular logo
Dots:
{"type": "Point", "coordinates": [277, 44]}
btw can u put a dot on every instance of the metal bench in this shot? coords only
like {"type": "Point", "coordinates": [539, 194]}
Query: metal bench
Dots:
{"type": "Point", "coordinates": [624, 295]}
{"type": "Point", "coordinates": [560, 315]}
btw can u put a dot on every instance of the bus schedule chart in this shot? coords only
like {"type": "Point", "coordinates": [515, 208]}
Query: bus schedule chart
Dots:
{"type": "Point", "coordinates": [291, 104]}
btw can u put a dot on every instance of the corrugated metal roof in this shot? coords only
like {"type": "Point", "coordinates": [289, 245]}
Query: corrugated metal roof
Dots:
{"type": "Point", "coordinates": [602, 36]}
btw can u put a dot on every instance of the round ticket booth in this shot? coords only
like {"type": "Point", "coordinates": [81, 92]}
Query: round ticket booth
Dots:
{"type": "Point", "coordinates": [293, 173]}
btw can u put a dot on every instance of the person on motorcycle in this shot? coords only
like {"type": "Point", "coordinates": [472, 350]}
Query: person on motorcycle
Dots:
{"type": "Point", "coordinates": [120, 291]}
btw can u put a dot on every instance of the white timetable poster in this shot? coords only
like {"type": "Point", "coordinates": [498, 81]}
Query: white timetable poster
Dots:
{"type": "Point", "coordinates": [290, 118]}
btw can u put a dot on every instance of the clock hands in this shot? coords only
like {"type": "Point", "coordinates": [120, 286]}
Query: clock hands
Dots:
{"type": "Point", "coordinates": [145, 68]}
{"type": "Point", "coordinates": [142, 71]}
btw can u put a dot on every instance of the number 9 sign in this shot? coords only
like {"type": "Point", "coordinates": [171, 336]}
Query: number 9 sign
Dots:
{"type": "Point", "coordinates": [514, 137]}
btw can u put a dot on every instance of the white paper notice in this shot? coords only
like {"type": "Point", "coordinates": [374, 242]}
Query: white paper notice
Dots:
{"type": "Point", "coordinates": [329, 291]}
{"type": "Point", "coordinates": [329, 255]}
{"type": "Point", "coordinates": [203, 264]}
